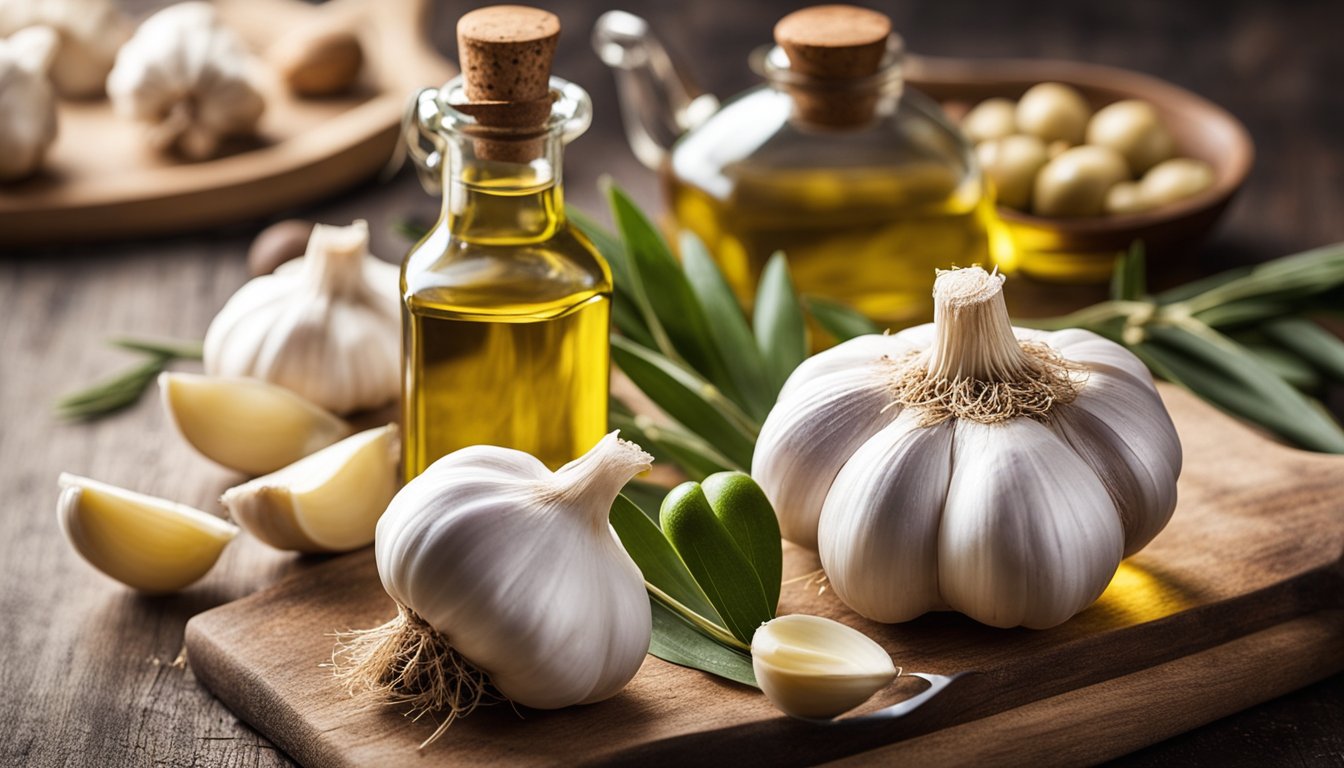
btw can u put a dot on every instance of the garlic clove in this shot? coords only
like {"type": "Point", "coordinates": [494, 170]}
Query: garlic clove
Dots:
{"type": "Point", "coordinates": [878, 536]}
{"type": "Point", "coordinates": [861, 350]}
{"type": "Point", "coordinates": [247, 424]}
{"type": "Point", "coordinates": [147, 543]}
{"type": "Point", "coordinates": [808, 437]}
{"type": "Point", "coordinates": [327, 502]}
{"type": "Point", "coordinates": [1029, 535]}
{"type": "Point", "coordinates": [812, 667]}
{"type": "Point", "coordinates": [1125, 435]}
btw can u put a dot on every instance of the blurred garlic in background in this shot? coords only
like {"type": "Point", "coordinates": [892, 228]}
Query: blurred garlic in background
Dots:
{"type": "Point", "coordinates": [27, 103]}
{"type": "Point", "coordinates": [89, 32]}
{"type": "Point", "coordinates": [186, 76]}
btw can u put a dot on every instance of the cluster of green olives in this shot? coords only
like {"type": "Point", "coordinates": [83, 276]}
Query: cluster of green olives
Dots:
{"type": "Point", "coordinates": [1051, 155]}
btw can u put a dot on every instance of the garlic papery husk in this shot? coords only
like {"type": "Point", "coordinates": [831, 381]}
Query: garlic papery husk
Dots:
{"type": "Point", "coordinates": [247, 424]}
{"type": "Point", "coordinates": [502, 568]}
{"type": "Point", "coordinates": [27, 103]}
{"type": "Point", "coordinates": [969, 465]}
{"type": "Point", "coordinates": [186, 76]}
{"type": "Point", "coordinates": [326, 325]}
{"type": "Point", "coordinates": [816, 668]}
{"type": "Point", "coordinates": [150, 544]}
{"type": "Point", "coordinates": [90, 32]}
{"type": "Point", "coordinates": [327, 502]}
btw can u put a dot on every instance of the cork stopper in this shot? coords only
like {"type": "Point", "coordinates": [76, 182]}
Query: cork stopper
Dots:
{"type": "Point", "coordinates": [832, 44]}
{"type": "Point", "coordinates": [506, 53]}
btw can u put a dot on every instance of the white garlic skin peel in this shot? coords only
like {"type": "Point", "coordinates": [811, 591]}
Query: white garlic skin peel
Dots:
{"type": "Point", "coordinates": [517, 568]}
{"type": "Point", "coordinates": [969, 465]}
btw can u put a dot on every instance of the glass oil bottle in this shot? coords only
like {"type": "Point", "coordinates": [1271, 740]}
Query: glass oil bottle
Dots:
{"type": "Point", "coordinates": [864, 184]}
{"type": "Point", "coordinates": [506, 308]}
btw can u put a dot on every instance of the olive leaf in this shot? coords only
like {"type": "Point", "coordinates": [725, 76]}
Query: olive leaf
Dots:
{"type": "Point", "coordinates": [713, 557]}
{"type": "Point", "coordinates": [678, 641]}
{"type": "Point", "coordinates": [839, 320]}
{"type": "Point", "coordinates": [750, 520]}
{"type": "Point", "coordinates": [781, 331]}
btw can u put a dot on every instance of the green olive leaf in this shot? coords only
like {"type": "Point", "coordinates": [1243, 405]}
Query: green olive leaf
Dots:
{"type": "Point", "coordinates": [746, 513]}
{"type": "Point", "coordinates": [676, 640]}
{"type": "Point", "coordinates": [840, 321]}
{"type": "Point", "coordinates": [781, 331]}
{"type": "Point", "coordinates": [662, 567]}
{"type": "Point", "coordinates": [715, 561]}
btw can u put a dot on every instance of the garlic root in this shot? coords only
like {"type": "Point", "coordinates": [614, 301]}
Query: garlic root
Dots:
{"type": "Point", "coordinates": [150, 544]}
{"type": "Point", "coordinates": [405, 662]}
{"type": "Point", "coordinates": [329, 501]}
{"type": "Point", "coordinates": [246, 424]}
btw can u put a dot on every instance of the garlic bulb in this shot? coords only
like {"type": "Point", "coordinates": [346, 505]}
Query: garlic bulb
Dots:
{"type": "Point", "coordinates": [27, 104]}
{"type": "Point", "coordinates": [90, 33]}
{"type": "Point", "coordinates": [999, 472]}
{"type": "Point", "coordinates": [812, 667]}
{"type": "Point", "coordinates": [496, 560]}
{"type": "Point", "coordinates": [150, 544]}
{"type": "Point", "coordinates": [185, 75]}
{"type": "Point", "coordinates": [329, 501]}
{"type": "Point", "coordinates": [327, 326]}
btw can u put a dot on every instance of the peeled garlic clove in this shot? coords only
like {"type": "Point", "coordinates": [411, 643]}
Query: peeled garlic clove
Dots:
{"type": "Point", "coordinates": [817, 668]}
{"type": "Point", "coordinates": [1029, 535]}
{"type": "Point", "coordinates": [246, 424]}
{"type": "Point", "coordinates": [150, 544]}
{"type": "Point", "coordinates": [327, 502]}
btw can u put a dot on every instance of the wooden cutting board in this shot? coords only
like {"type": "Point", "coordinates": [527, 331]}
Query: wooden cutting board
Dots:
{"type": "Point", "coordinates": [100, 180]}
{"type": "Point", "coordinates": [1237, 601]}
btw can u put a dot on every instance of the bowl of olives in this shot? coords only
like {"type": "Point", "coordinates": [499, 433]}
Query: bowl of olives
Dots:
{"type": "Point", "coordinates": [1086, 159]}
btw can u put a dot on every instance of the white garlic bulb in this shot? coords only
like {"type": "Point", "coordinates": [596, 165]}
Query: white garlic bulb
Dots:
{"type": "Point", "coordinates": [90, 32]}
{"type": "Point", "coordinates": [969, 465]}
{"type": "Point", "coordinates": [186, 76]}
{"type": "Point", "coordinates": [27, 104]}
{"type": "Point", "coordinates": [326, 325]}
{"type": "Point", "coordinates": [515, 567]}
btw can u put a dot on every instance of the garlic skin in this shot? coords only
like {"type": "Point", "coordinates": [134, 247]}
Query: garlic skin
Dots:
{"type": "Point", "coordinates": [185, 76]}
{"type": "Point", "coordinates": [150, 544]}
{"type": "Point", "coordinates": [329, 501]}
{"type": "Point", "coordinates": [27, 103]}
{"type": "Point", "coordinates": [90, 33]}
{"type": "Point", "coordinates": [326, 326]}
{"type": "Point", "coordinates": [245, 424]}
{"type": "Point", "coordinates": [884, 455]}
{"type": "Point", "coordinates": [517, 567]}
{"type": "Point", "coordinates": [815, 668]}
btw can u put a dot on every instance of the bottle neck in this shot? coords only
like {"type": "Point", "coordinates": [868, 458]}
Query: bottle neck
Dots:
{"type": "Point", "coordinates": [495, 202]}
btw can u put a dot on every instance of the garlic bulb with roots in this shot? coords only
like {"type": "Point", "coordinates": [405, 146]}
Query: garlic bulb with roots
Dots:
{"type": "Point", "coordinates": [326, 326]}
{"type": "Point", "coordinates": [27, 104]}
{"type": "Point", "coordinates": [969, 465]}
{"type": "Point", "coordinates": [506, 574]}
{"type": "Point", "coordinates": [186, 76]}
{"type": "Point", "coordinates": [89, 33]}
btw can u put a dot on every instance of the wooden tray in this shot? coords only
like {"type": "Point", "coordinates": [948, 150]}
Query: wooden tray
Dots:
{"type": "Point", "coordinates": [101, 181]}
{"type": "Point", "coordinates": [1236, 602]}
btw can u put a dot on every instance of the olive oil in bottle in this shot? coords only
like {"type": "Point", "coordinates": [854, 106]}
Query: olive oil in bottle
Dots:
{"type": "Point", "coordinates": [506, 307]}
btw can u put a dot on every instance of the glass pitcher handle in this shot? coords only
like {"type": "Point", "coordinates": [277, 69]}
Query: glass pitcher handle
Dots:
{"type": "Point", "coordinates": [419, 131]}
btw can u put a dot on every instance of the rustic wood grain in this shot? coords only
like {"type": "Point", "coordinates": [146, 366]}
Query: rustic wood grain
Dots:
{"type": "Point", "coordinates": [86, 675]}
{"type": "Point", "coordinates": [1256, 541]}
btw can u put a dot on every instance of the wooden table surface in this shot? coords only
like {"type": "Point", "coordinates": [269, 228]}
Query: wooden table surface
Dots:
{"type": "Point", "coordinates": [91, 674]}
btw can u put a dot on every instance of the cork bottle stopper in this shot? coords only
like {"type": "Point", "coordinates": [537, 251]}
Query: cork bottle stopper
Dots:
{"type": "Point", "coordinates": [833, 42]}
{"type": "Point", "coordinates": [506, 52]}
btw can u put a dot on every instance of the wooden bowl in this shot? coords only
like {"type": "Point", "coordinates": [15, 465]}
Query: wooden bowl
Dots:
{"type": "Point", "coordinates": [1082, 250]}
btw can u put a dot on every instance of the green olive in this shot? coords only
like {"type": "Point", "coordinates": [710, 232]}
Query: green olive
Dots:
{"type": "Point", "coordinates": [990, 119]}
{"type": "Point", "coordinates": [1125, 197]}
{"type": "Point", "coordinates": [1175, 179]}
{"type": "Point", "coordinates": [1076, 182]}
{"type": "Point", "coordinates": [1133, 129]}
{"type": "Point", "coordinates": [1054, 112]}
{"type": "Point", "coordinates": [1011, 163]}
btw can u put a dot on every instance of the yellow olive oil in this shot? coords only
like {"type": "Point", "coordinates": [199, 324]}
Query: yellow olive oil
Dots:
{"type": "Point", "coordinates": [870, 238]}
{"type": "Point", "coordinates": [506, 322]}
